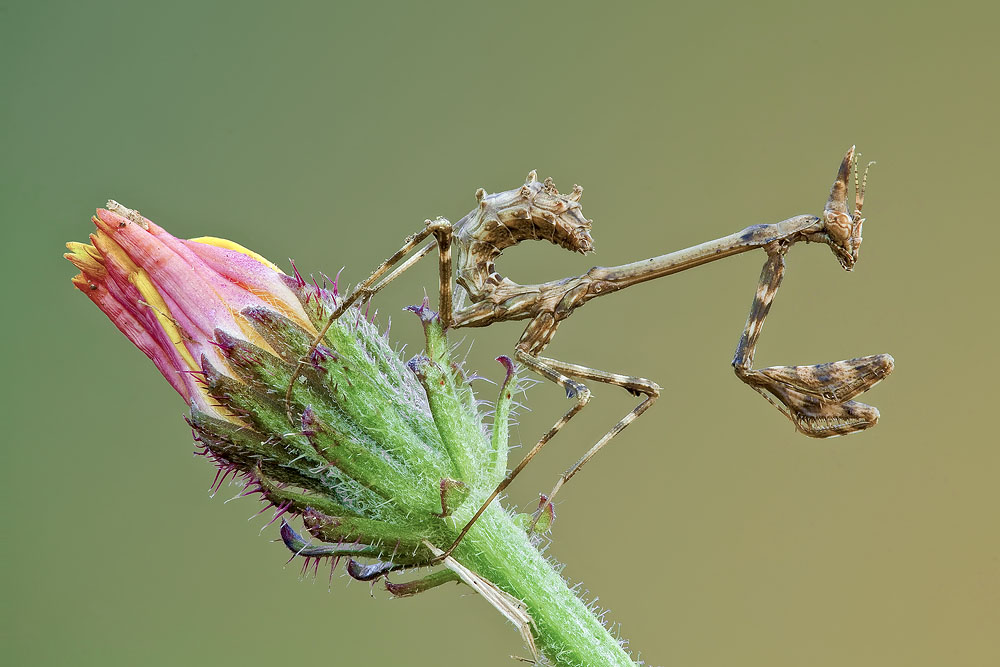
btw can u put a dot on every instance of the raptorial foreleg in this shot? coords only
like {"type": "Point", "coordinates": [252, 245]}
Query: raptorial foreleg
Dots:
{"type": "Point", "coordinates": [815, 398]}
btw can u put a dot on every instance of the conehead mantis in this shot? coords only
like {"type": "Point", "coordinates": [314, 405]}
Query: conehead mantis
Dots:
{"type": "Point", "coordinates": [818, 399]}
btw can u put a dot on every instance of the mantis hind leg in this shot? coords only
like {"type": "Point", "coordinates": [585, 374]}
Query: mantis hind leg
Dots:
{"type": "Point", "coordinates": [560, 373]}
{"type": "Point", "coordinates": [634, 385]}
{"type": "Point", "coordinates": [573, 389]}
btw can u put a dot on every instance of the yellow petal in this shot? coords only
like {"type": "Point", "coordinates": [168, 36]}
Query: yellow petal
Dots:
{"type": "Point", "coordinates": [152, 297]}
{"type": "Point", "coordinates": [86, 258]}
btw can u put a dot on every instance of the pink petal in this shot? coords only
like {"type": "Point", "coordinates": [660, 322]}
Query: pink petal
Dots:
{"type": "Point", "coordinates": [252, 276]}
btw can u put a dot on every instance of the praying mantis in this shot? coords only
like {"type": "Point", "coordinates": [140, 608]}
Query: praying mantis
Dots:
{"type": "Point", "coordinates": [817, 399]}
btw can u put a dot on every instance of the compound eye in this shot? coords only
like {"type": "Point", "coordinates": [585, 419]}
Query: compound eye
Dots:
{"type": "Point", "coordinates": [838, 226]}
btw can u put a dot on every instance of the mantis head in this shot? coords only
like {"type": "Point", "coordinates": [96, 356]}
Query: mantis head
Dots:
{"type": "Point", "coordinates": [843, 230]}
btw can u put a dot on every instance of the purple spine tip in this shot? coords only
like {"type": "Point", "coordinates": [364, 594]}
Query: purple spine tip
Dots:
{"type": "Point", "coordinates": [418, 365]}
{"type": "Point", "coordinates": [508, 365]}
{"type": "Point", "coordinates": [423, 311]}
{"type": "Point", "coordinates": [336, 281]}
{"type": "Point", "coordinates": [309, 422]}
{"type": "Point", "coordinates": [321, 355]}
{"type": "Point", "coordinates": [224, 341]}
{"type": "Point", "coordinates": [298, 277]}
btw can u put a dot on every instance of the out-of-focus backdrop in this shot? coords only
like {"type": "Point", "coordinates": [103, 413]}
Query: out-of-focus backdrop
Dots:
{"type": "Point", "coordinates": [711, 532]}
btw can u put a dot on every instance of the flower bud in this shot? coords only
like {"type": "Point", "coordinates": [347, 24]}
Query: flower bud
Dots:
{"type": "Point", "coordinates": [383, 461]}
{"type": "Point", "coordinates": [380, 452]}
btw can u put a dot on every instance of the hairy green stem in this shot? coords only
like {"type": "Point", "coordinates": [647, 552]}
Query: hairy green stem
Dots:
{"type": "Point", "coordinates": [565, 630]}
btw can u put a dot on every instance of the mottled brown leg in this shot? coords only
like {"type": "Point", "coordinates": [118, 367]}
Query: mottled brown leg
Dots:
{"type": "Point", "coordinates": [815, 398]}
{"type": "Point", "coordinates": [770, 281]}
{"type": "Point", "coordinates": [559, 372]}
{"type": "Point", "coordinates": [634, 385]}
{"type": "Point", "coordinates": [573, 390]}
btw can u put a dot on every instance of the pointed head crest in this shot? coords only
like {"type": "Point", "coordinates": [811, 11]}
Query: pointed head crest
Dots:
{"type": "Point", "coordinates": [843, 228]}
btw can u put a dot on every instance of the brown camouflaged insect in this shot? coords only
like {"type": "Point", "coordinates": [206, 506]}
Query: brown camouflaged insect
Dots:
{"type": "Point", "coordinates": [817, 399]}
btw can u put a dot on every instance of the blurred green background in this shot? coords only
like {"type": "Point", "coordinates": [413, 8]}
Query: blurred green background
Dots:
{"type": "Point", "coordinates": [710, 530]}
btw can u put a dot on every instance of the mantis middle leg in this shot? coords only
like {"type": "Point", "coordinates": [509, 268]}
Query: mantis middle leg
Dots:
{"type": "Point", "coordinates": [441, 229]}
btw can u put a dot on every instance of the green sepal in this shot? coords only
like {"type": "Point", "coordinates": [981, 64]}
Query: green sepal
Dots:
{"type": "Point", "coordinates": [365, 461]}
{"type": "Point", "coordinates": [348, 435]}
{"type": "Point", "coordinates": [546, 517]}
{"type": "Point", "coordinates": [499, 446]}
{"type": "Point", "coordinates": [248, 450]}
{"type": "Point", "coordinates": [333, 523]}
{"type": "Point", "coordinates": [432, 580]}
{"type": "Point", "coordinates": [261, 410]}
{"type": "Point", "coordinates": [287, 339]}
{"type": "Point", "coordinates": [402, 543]}
{"type": "Point", "coordinates": [436, 341]}
{"type": "Point", "coordinates": [459, 427]}
{"type": "Point", "coordinates": [359, 384]}
{"type": "Point", "coordinates": [299, 546]}
{"type": "Point", "coordinates": [298, 500]}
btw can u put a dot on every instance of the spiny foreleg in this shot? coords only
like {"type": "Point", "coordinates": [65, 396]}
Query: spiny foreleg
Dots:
{"type": "Point", "coordinates": [815, 398]}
